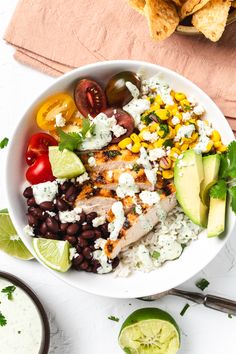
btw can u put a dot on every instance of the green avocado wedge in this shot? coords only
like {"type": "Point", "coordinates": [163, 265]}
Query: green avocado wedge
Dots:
{"type": "Point", "coordinates": [216, 217]}
{"type": "Point", "coordinates": [188, 177]}
{"type": "Point", "coordinates": [211, 166]}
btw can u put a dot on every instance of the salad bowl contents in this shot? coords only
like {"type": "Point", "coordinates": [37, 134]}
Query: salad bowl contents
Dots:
{"type": "Point", "coordinates": [124, 171]}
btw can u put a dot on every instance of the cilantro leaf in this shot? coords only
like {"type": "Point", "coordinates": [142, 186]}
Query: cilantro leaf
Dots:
{"type": "Point", "coordinates": [113, 318]}
{"type": "Point", "coordinates": [219, 190]}
{"type": "Point", "coordinates": [9, 290]}
{"type": "Point", "coordinates": [202, 284]}
{"type": "Point", "coordinates": [69, 141]}
{"type": "Point", "coordinates": [184, 309]}
{"type": "Point", "coordinates": [165, 128]}
{"type": "Point", "coordinates": [3, 320]}
{"type": "Point", "coordinates": [156, 255]}
{"type": "Point", "coordinates": [4, 143]}
{"type": "Point", "coordinates": [232, 192]}
{"type": "Point", "coordinates": [86, 127]}
{"type": "Point", "coordinates": [168, 142]}
{"type": "Point", "coordinates": [224, 164]}
{"type": "Point", "coordinates": [231, 154]}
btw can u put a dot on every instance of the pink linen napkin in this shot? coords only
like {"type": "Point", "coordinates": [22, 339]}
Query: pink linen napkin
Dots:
{"type": "Point", "coordinates": [57, 36]}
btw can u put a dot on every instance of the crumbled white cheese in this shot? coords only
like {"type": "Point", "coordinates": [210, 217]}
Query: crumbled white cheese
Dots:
{"type": "Point", "coordinates": [72, 253]}
{"type": "Point", "coordinates": [60, 120]}
{"type": "Point", "coordinates": [152, 137]}
{"type": "Point", "coordinates": [157, 153]}
{"type": "Point", "coordinates": [138, 209]}
{"type": "Point", "coordinates": [186, 116]}
{"type": "Point", "coordinates": [28, 230]}
{"type": "Point", "coordinates": [204, 133]}
{"type": "Point", "coordinates": [129, 147]}
{"type": "Point", "coordinates": [126, 186]}
{"type": "Point", "coordinates": [186, 131]}
{"type": "Point", "coordinates": [199, 109]}
{"type": "Point", "coordinates": [101, 257]}
{"type": "Point", "coordinates": [115, 226]}
{"type": "Point", "coordinates": [99, 220]}
{"type": "Point", "coordinates": [192, 100]}
{"type": "Point", "coordinates": [156, 83]}
{"type": "Point", "coordinates": [110, 174]}
{"type": "Point", "coordinates": [149, 198]}
{"type": "Point", "coordinates": [118, 130]}
{"type": "Point", "coordinates": [149, 171]}
{"type": "Point", "coordinates": [70, 216]}
{"type": "Point", "coordinates": [92, 161]}
{"type": "Point", "coordinates": [175, 120]}
{"type": "Point", "coordinates": [51, 213]}
{"type": "Point", "coordinates": [61, 180]}
{"type": "Point", "coordinates": [151, 175]}
{"type": "Point", "coordinates": [83, 178]}
{"type": "Point", "coordinates": [136, 107]}
{"type": "Point", "coordinates": [45, 192]}
{"type": "Point", "coordinates": [132, 89]}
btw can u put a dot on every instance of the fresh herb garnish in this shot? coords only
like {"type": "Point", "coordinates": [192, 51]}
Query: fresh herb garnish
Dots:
{"type": "Point", "coordinates": [168, 142]}
{"type": "Point", "coordinates": [112, 153]}
{"type": "Point", "coordinates": [156, 255]}
{"type": "Point", "coordinates": [229, 315]}
{"type": "Point", "coordinates": [3, 320]}
{"type": "Point", "coordinates": [113, 318]}
{"type": "Point", "coordinates": [136, 167]}
{"type": "Point", "coordinates": [72, 141]}
{"type": "Point", "coordinates": [165, 128]}
{"type": "Point", "coordinates": [184, 309]}
{"type": "Point", "coordinates": [4, 143]}
{"type": "Point", "coordinates": [186, 107]}
{"type": "Point", "coordinates": [202, 284]}
{"type": "Point", "coordinates": [227, 174]}
{"type": "Point", "coordinates": [9, 290]}
{"type": "Point", "coordinates": [19, 332]}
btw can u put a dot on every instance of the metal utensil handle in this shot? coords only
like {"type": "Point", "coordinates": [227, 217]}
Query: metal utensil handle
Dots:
{"type": "Point", "coordinates": [192, 296]}
{"type": "Point", "coordinates": [220, 304]}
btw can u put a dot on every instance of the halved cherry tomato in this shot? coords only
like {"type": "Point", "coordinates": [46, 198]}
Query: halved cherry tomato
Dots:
{"type": "Point", "coordinates": [61, 103]}
{"type": "Point", "coordinates": [89, 98]}
{"type": "Point", "coordinates": [40, 171]}
{"type": "Point", "coordinates": [38, 145]}
{"type": "Point", "coordinates": [123, 119]}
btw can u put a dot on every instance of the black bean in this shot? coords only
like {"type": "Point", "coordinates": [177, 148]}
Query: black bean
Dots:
{"type": "Point", "coordinates": [77, 260]}
{"type": "Point", "coordinates": [98, 233]}
{"type": "Point", "coordinates": [65, 186]}
{"type": "Point", "coordinates": [104, 230]}
{"type": "Point", "coordinates": [91, 216]}
{"type": "Point", "coordinates": [71, 194]}
{"type": "Point", "coordinates": [71, 239]}
{"type": "Point", "coordinates": [47, 206]}
{"type": "Point", "coordinates": [73, 229]}
{"type": "Point", "coordinates": [88, 234]}
{"type": "Point", "coordinates": [43, 229]}
{"type": "Point", "coordinates": [82, 218]}
{"type": "Point", "coordinates": [82, 242]}
{"type": "Point", "coordinates": [28, 192]}
{"type": "Point", "coordinates": [86, 227]}
{"type": "Point", "coordinates": [63, 227]}
{"type": "Point", "coordinates": [62, 205]}
{"type": "Point", "coordinates": [31, 202]}
{"type": "Point", "coordinates": [92, 248]}
{"type": "Point", "coordinates": [52, 224]}
{"type": "Point", "coordinates": [89, 269]}
{"type": "Point", "coordinates": [84, 265]}
{"type": "Point", "coordinates": [78, 249]}
{"type": "Point", "coordinates": [87, 253]}
{"type": "Point", "coordinates": [32, 220]}
{"type": "Point", "coordinates": [35, 212]}
{"type": "Point", "coordinates": [51, 236]}
{"type": "Point", "coordinates": [95, 265]}
{"type": "Point", "coordinates": [115, 262]}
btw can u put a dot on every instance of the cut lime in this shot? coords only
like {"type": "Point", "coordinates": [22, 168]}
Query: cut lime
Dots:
{"type": "Point", "coordinates": [65, 164]}
{"type": "Point", "coordinates": [149, 331]}
{"type": "Point", "coordinates": [55, 254]}
{"type": "Point", "coordinates": [10, 242]}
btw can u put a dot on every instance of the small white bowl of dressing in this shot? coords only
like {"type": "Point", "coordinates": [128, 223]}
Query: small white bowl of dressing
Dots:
{"type": "Point", "coordinates": [24, 324]}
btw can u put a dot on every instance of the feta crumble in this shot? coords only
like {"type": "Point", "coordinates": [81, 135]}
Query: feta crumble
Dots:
{"type": "Point", "coordinates": [115, 226]}
{"type": "Point", "coordinates": [175, 120]}
{"type": "Point", "coordinates": [100, 220]}
{"type": "Point", "coordinates": [92, 161]}
{"type": "Point", "coordinates": [70, 216]}
{"type": "Point", "coordinates": [83, 178]}
{"type": "Point", "coordinates": [29, 231]}
{"type": "Point", "coordinates": [60, 120]}
{"type": "Point", "coordinates": [126, 186]}
{"type": "Point", "coordinates": [185, 132]}
{"type": "Point", "coordinates": [149, 198]}
{"type": "Point", "coordinates": [156, 153]}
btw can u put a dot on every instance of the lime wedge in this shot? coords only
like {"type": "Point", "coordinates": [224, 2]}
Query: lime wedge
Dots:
{"type": "Point", "coordinates": [65, 164]}
{"type": "Point", "coordinates": [149, 331]}
{"type": "Point", "coordinates": [55, 254]}
{"type": "Point", "coordinates": [10, 242]}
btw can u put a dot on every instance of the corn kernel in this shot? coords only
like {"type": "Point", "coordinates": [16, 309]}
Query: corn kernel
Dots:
{"type": "Point", "coordinates": [154, 127]}
{"type": "Point", "coordinates": [145, 145]}
{"type": "Point", "coordinates": [184, 104]}
{"type": "Point", "coordinates": [158, 100]}
{"type": "Point", "coordinates": [222, 148]}
{"type": "Point", "coordinates": [184, 147]}
{"type": "Point", "coordinates": [150, 146]}
{"type": "Point", "coordinates": [215, 136]}
{"type": "Point", "coordinates": [167, 174]}
{"type": "Point", "coordinates": [217, 144]}
{"type": "Point", "coordinates": [172, 93]}
{"type": "Point", "coordinates": [209, 146]}
{"type": "Point", "coordinates": [179, 96]}
{"type": "Point", "coordinates": [165, 163]}
{"type": "Point", "coordinates": [177, 145]}
{"type": "Point", "coordinates": [177, 127]}
{"type": "Point", "coordinates": [136, 148]}
{"type": "Point", "coordinates": [135, 138]}
{"type": "Point", "coordinates": [171, 133]}
{"type": "Point", "coordinates": [144, 130]}
{"type": "Point", "coordinates": [163, 114]}
{"type": "Point", "coordinates": [161, 133]}
{"type": "Point", "coordinates": [123, 143]}
{"type": "Point", "coordinates": [194, 136]}
{"type": "Point", "coordinates": [174, 152]}
{"type": "Point", "coordinates": [158, 143]}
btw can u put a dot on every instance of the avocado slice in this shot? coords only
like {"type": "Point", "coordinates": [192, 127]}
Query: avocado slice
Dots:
{"type": "Point", "coordinates": [211, 166]}
{"type": "Point", "coordinates": [188, 176]}
{"type": "Point", "coordinates": [216, 217]}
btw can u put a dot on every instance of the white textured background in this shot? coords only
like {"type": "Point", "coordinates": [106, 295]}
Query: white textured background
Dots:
{"type": "Point", "coordinates": [79, 323]}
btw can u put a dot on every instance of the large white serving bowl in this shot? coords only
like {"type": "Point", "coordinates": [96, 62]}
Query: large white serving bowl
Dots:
{"type": "Point", "coordinates": [194, 258]}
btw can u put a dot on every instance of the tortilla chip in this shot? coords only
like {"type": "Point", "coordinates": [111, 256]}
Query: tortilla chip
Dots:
{"type": "Point", "coordinates": [162, 18]}
{"type": "Point", "coordinates": [191, 6]}
{"type": "Point", "coordinates": [211, 19]}
{"type": "Point", "coordinates": [138, 5]}
{"type": "Point", "coordinates": [233, 4]}
{"type": "Point", "coordinates": [179, 3]}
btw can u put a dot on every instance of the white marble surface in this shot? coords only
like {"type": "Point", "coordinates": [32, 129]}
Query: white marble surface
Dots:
{"type": "Point", "coordinates": [79, 323]}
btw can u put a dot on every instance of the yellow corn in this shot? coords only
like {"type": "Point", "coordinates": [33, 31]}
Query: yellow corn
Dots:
{"type": "Point", "coordinates": [191, 146]}
{"type": "Point", "coordinates": [145, 145]}
{"type": "Point", "coordinates": [158, 143]}
{"type": "Point", "coordinates": [167, 174]}
{"type": "Point", "coordinates": [136, 148]}
{"type": "Point", "coordinates": [150, 146]}
{"type": "Point", "coordinates": [194, 136]}
{"type": "Point", "coordinates": [217, 144]}
{"type": "Point", "coordinates": [158, 100]}
{"type": "Point", "coordinates": [177, 127]}
{"type": "Point", "coordinates": [172, 93]}
{"type": "Point", "coordinates": [171, 133]}
{"type": "Point", "coordinates": [165, 163]}
{"type": "Point", "coordinates": [179, 96]}
{"type": "Point", "coordinates": [161, 133]}
{"type": "Point", "coordinates": [178, 115]}
{"type": "Point", "coordinates": [154, 127]}
{"type": "Point", "coordinates": [174, 151]}
{"type": "Point", "coordinates": [215, 136]}
{"type": "Point", "coordinates": [135, 138]}
{"type": "Point", "coordinates": [184, 103]}
{"type": "Point", "coordinates": [187, 140]}
{"type": "Point", "coordinates": [177, 145]}
{"type": "Point", "coordinates": [184, 147]}
{"type": "Point", "coordinates": [209, 146]}
{"type": "Point", "coordinates": [123, 143]}
{"type": "Point", "coordinates": [222, 148]}
{"type": "Point", "coordinates": [154, 106]}
{"type": "Point", "coordinates": [163, 114]}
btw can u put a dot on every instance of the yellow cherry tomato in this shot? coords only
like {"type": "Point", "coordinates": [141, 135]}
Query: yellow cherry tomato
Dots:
{"type": "Point", "coordinates": [60, 105]}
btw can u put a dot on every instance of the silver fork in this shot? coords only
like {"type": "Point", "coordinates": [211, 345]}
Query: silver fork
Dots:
{"type": "Point", "coordinates": [210, 301]}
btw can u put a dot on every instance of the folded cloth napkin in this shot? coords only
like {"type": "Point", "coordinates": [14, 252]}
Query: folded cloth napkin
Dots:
{"type": "Point", "coordinates": [57, 36]}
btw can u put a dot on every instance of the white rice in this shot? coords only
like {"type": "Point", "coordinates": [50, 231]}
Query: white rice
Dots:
{"type": "Point", "coordinates": [164, 243]}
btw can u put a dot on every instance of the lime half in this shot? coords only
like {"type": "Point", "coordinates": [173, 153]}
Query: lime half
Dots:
{"type": "Point", "coordinates": [55, 254]}
{"type": "Point", "coordinates": [10, 242]}
{"type": "Point", "coordinates": [65, 164]}
{"type": "Point", "coordinates": [149, 331]}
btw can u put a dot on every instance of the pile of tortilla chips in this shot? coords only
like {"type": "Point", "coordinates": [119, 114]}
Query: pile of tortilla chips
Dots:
{"type": "Point", "coordinates": [163, 16]}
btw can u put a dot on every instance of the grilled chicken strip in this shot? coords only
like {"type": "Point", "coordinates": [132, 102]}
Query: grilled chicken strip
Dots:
{"type": "Point", "coordinates": [139, 225]}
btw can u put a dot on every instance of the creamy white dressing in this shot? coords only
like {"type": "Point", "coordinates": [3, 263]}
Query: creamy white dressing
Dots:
{"type": "Point", "coordinates": [149, 198]}
{"type": "Point", "coordinates": [45, 192]}
{"type": "Point", "coordinates": [136, 107]}
{"type": "Point", "coordinates": [115, 226]}
{"type": "Point", "coordinates": [132, 89]}
{"type": "Point", "coordinates": [126, 186]}
{"type": "Point", "coordinates": [23, 331]}
{"type": "Point", "coordinates": [151, 173]}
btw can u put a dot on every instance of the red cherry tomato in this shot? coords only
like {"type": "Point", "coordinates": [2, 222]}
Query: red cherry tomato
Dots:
{"type": "Point", "coordinates": [124, 119]}
{"type": "Point", "coordinates": [38, 145]}
{"type": "Point", "coordinates": [40, 171]}
{"type": "Point", "coordinates": [89, 98]}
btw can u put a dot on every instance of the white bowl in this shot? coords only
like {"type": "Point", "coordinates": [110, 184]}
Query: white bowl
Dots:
{"type": "Point", "coordinates": [194, 258]}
